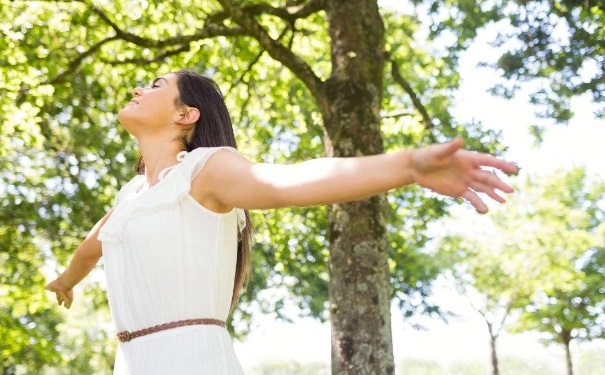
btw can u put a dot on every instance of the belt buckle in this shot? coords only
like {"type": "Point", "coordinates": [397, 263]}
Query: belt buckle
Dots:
{"type": "Point", "coordinates": [124, 336]}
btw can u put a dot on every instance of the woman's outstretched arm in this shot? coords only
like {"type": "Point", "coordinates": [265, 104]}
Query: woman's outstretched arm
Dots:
{"type": "Point", "coordinates": [229, 180]}
{"type": "Point", "coordinates": [83, 261]}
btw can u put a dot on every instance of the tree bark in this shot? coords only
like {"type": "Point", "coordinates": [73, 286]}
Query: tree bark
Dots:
{"type": "Point", "coordinates": [566, 338]}
{"type": "Point", "coordinates": [495, 369]}
{"type": "Point", "coordinates": [359, 272]}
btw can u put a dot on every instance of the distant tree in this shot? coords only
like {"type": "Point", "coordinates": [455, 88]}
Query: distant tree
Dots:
{"type": "Point", "coordinates": [494, 278]}
{"type": "Point", "coordinates": [571, 308]}
{"type": "Point", "coordinates": [541, 255]}
{"type": "Point", "coordinates": [575, 312]}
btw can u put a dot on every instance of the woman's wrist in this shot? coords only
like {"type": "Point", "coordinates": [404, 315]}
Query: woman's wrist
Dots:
{"type": "Point", "coordinates": [63, 283]}
{"type": "Point", "coordinates": [406, 166]}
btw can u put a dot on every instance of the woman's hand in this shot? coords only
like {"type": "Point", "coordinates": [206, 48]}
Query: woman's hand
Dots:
{"type": "Point", "coordinates": [450, 170]}
{"type": "Point", "coordinates": [84, 260]}
{"type": "Point", "coordinates": [64, 296]}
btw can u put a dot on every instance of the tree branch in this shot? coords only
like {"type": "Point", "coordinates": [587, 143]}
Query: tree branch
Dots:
{"type": "Point", "coordinates": [248, 69]}
{"type": "Point", "coordinates": [275, 49]}
{"type": "Point", "coordinates": [507, 310]}
{"type": "Point", "coordinates": [426, 119]}
{"type": "Point", "coordinates": [288, 13]}
{"type": "Point", "coordinates": [251, 64]}
{"type": "Point", "coordinates": [181, 40]}
{"type": "Point", "coordinates": [208, 31]}
{"type": "Point", "coordinates": [143, 61]}
{"type": "Point", "coordinates": [397, 114]}
{"type": "Point", "coordinates": [60, 78]}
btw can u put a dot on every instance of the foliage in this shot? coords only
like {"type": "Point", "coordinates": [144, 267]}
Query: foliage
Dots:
{"type": "Point", "coordinates": [27, 324]}
{"type": "Point", "coordinates": [557, 43]}
{"type": "Point", "coordinates": [542, 256]}
{"type": "Point", "coordinates": [86, 339]}
{"type": "Point", "coordinates": [574, 307]}
{"type": "Point", "coordinates": [291, 368]}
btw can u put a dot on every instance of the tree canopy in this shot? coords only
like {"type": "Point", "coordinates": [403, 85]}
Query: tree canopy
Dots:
{"type": "Point", "coordinates": [557, 45]}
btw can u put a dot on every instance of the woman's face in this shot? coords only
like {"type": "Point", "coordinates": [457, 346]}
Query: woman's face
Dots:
{"type": "Point", "coordinates": [152, 109]}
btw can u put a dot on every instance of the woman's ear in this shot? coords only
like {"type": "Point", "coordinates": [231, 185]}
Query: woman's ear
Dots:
{"type": "Point", "coordinates": [189, 117]}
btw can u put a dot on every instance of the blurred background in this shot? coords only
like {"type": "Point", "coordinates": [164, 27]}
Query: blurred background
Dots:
{"type": "Point", "coordinates": [520, 290]}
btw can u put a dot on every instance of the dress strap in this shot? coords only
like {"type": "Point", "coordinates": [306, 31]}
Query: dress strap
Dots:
{"type": "Point", "coordinates": [179, 157]}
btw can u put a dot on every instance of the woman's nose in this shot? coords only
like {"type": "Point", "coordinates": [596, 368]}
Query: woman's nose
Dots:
{"type": "Point", "coordinates": [138, 91]}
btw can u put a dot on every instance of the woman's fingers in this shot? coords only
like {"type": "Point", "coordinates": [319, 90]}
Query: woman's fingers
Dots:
{"type": "Point", "coordinates": [65, 299]}
{"type": "Point", "coordinates": [481, 188]}
{"type": "Point", "coordinates": [488, 160]}
{"type": "Point", "coordinates": [62, 299]}
{"type": "Point", "coordinates": [475, 200]}
{"type": "Point", "coordinates": [450, 147]}
{"type": "Point", "coordinates": [464, 167]}
{"type": "Point", "coordinates": [491, 181]}
{"type": "Point", "coordinates": [435, 154]}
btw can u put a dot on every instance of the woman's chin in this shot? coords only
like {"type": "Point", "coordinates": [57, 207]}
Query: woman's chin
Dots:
{"type": "Point", "coordinates": [126, 114]}
{"type": "Point", "coordinates": [126, 120]}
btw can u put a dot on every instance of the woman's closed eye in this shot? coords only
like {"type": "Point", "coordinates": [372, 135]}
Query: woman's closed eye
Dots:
{"type": "Point", "coordinates": [155, 84]}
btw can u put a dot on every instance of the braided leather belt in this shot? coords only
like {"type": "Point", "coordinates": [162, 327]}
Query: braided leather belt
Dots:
{"type": "Point", "coordinates": [126, 336]}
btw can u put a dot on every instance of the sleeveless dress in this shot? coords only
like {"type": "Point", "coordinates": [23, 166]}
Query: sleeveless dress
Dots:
{"type": "Point", "coordinates": [167, 258]}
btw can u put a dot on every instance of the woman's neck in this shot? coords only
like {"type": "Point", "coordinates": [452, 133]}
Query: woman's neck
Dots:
{"type": "Point", "coordinates": [157, 156]}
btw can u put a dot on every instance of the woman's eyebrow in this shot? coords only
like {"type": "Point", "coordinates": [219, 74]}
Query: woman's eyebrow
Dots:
{"type": "Point", "coordinates": [157, 79]}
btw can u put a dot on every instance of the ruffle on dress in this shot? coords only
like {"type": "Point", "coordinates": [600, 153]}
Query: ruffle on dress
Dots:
{"type": "Point", "coordinates": [173, 186]}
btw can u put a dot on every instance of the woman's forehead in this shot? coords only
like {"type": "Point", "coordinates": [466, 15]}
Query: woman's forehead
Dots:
{"type": "Point", "coordinates": [170, 77]}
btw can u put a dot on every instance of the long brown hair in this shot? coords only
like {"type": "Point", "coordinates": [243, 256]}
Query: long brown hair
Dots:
{"type": "Point", "coordinates": [212, 129]}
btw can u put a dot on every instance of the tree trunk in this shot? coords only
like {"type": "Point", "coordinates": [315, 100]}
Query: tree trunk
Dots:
{"type": "Point", "coordinates": [566, 338]}
{"type": "Point", "coordinates": [495, 369]}
{"type": "Point", "coordinates": [359, 272]}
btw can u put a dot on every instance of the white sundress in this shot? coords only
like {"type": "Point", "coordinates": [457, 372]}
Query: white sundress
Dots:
{"type": "Point", "coordinates": [166, 259]}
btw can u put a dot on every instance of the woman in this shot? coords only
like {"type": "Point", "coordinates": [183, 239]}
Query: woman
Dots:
{"type": "Point", "coordinates": [176, 242]}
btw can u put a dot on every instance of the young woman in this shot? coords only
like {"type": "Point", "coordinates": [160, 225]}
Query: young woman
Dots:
{"type": "Point", "coordinates": [176, 242]}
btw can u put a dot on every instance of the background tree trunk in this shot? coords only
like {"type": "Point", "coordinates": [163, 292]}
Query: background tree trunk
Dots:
{"type": "Point", "coordinates": [566, 338]}
{"type": "Point", "coordinates": [495, 369]}
{"type": "Point", "coordinates": [359, 273]}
